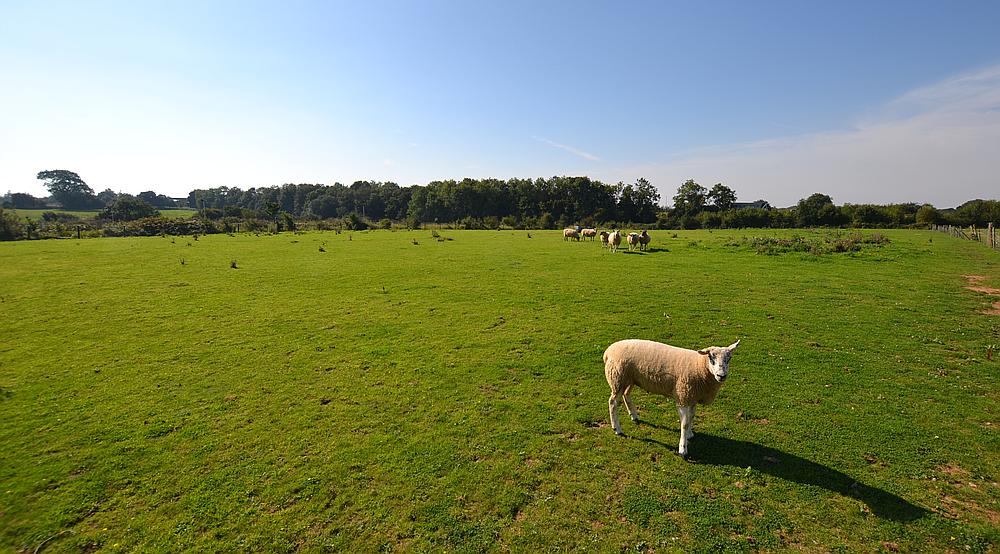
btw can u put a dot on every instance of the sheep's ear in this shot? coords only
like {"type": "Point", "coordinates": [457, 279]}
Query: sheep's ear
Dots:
{"type": "Point", "coordinates": [703, 351]}
{"type": "Point", "coordinates": [734, 345]}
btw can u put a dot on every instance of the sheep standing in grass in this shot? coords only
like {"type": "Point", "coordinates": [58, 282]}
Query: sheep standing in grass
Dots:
{"type": "Point", "coordinates": [690, 376]}
{"type": "Point", "coordinates": [644, 239]}
{"type": "Point", "coordinates": [633, 240]}
{"type": "Point", "coordinates": [589, 233]}
{"type": "Point", "coordinates": [571, 234]}
{"type": "Point", "coordinates": [614, 239]}
{"type": "Point", "coordinates": [604, 239]}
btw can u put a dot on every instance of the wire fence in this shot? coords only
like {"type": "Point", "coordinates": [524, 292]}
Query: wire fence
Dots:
{"type": "Point", "coordinates": [987, 236]}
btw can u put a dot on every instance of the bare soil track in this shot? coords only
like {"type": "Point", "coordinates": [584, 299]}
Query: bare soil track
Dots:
{"type": "Point", "coordinates": [974, 285]}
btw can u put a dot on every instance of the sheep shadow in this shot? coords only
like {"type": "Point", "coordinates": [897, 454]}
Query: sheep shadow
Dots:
{"type": "Point", "coordinates": [721, 451]}
{"type": "Point", "coordinates": [646, 251]}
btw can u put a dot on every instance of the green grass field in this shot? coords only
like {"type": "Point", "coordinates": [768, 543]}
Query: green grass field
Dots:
{"type": "Point", "coordinates": [386, 395]}
{"type": "Point", "coordinates": [36, 215]}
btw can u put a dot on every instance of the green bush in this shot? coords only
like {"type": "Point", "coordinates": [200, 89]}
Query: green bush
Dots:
{"type": "Point", "coordinates": [10, 226]}
{"type": "Point", "coordinates": [354, 222]}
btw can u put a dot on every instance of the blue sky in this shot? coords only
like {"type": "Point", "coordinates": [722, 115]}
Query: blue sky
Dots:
{"type": "Point", "coordinates": [865, 101]}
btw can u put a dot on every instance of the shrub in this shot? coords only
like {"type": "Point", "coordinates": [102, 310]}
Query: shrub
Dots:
{"type": "Point", "coordinates": [58, 216]}
{"type": "Point", "coordinates": [152, 226]}
{"type": "Point", "coordinates": [354, 222]}
{"type": "Point", "coordinates": [288, 220]}
{"type": "Point", "coordinates": [10, 226]}
{"type": "Point", "coordinates": [128, 208]}
{"type": "Point", "coordinates": [546, 221]}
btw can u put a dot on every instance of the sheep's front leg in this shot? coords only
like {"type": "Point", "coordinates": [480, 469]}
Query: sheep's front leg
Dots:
{"type": "Point", "coordinates": [686, 414]}
{"type": "Point", "coordinates": [613, 411]}
{"type": "Point", "coordinates": [690, 429]}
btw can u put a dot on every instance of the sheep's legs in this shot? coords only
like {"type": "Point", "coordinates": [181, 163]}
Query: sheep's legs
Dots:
{"type": "Point", "coordinates": [687, 416]}
{"type": "Point", "coordinates": [632, 412]}
{"type": "Point", "coordinates": [690, 429]}
{"type": "Point", "coordinates": [613, 410]}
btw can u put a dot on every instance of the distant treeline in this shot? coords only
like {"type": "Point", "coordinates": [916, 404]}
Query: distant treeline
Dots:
{"type": "Point", "coordinates": [538, 203]}
{"type": "Point", "coordinates": [561, 201]}
{"type": "Point", "coordinates": [492, 203]}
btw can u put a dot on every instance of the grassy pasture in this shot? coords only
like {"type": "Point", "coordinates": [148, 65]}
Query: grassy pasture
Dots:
{"type": "Point", "coordinates": [384, 395]}
{"type": "Point", "coordinates": [179, 213]}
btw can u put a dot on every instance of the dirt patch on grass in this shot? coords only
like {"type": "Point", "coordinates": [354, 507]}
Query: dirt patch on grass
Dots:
{"type": "Point", "coordinates": [956, 509]}
{"type": "Point", "coordinates": [974, 286]}
{"type": "Point", "coordinates": [952, 469]}
{"type": "Point", "coordinates": [984, 290]}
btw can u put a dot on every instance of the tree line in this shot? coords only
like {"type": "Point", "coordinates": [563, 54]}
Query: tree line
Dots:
{"type": "Point", "coordinates": [490, 203]}
{"type": "Point", "coordinates": [534, 203]}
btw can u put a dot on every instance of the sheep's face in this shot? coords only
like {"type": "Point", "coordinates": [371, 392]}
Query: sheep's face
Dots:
{"type": "Point", "coordinates": [718, 360]}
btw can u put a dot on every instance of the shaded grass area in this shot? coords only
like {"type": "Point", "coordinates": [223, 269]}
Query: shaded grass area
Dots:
{"type": "Point", "coordinates": [386, 395]}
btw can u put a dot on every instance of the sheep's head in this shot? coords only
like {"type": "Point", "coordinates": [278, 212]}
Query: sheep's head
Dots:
{"type": "Point", "coordinates": [718, 359]}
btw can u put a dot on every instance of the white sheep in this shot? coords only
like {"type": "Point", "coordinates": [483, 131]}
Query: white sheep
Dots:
{"type": "Point", "coordinates": [644, 239]}
{"type": "Point", "coordinates": [614, 239]}
{"type": "Point", "coordinates": [690, 376]}
{"type": "Point", "coordinates": [604, 239]}
{"type": "Point", "coordinates": [589, 233]}
{"type": "Point", "coordinates": [571, 234]}
{"type": "Point", "coordinates": [633, 240]}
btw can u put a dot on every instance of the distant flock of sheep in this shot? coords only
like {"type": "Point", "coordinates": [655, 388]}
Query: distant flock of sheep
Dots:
{"type": "Point", "coordinates": [611, 240]}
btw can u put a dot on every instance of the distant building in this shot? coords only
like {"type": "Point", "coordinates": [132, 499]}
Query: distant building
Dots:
{"type": "Point", "coordinates": [759, 204]}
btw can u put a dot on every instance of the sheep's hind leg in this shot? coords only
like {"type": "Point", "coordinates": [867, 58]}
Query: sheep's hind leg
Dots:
{"type": "Point", "coordinates": [686, 414]}
{"type": "Point", "coordinates": [632, 412]}
{"type": "Point", "coordinates": [613, 411]}
{"type": "Point", "coordinates": [690, 429]}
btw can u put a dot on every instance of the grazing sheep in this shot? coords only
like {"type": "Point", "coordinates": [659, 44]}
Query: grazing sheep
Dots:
{"type": "Point", "coordinates": [571, 234]}
{"type": "Point", "coordinates": [589, 233]}
{"type": "Point", "coordinates": [644, 239]}
{"type": "Point", "coordinates": [604, 239]}
{"type": "Point", "coordinates": [614, 239]}
{"type": "Point", "coordinates": [633, 240]}
{"type": "Point", "coordinates": [690, 376]}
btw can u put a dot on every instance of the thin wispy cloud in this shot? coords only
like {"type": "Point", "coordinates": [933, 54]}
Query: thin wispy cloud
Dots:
{"type": "Point", "coordinates": [934, 144]}
{"type": "Point", "coordinates": [570, 149]}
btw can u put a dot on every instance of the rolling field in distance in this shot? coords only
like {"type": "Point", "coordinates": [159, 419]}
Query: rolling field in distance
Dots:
{"type": "Point", "coordinates": [390, 391]}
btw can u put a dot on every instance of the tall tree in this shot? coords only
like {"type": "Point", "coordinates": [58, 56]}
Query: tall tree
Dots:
{"type": "Point", "coordinates": [69, 189]}
{"type": "Point", "coordinates": [690, 198]}
{"type": "Point", "coordinates": [817, 209]}
{"type": "Point", "coordinates": [647, 201]}
{"type": "Point", "coordinates": [722, 197]}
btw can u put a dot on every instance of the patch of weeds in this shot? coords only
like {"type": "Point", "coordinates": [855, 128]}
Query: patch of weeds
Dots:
{"type": "Point", "coordinates": [158, 429]}
{"type": "Point", "coordinates": [830, 244]}
{"type": "Point", "coordinates": [232, 264]}
{"type": "Point", "coordinates": [439, 521]}
{"type": "Point", "coordinates": [639, 505]}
